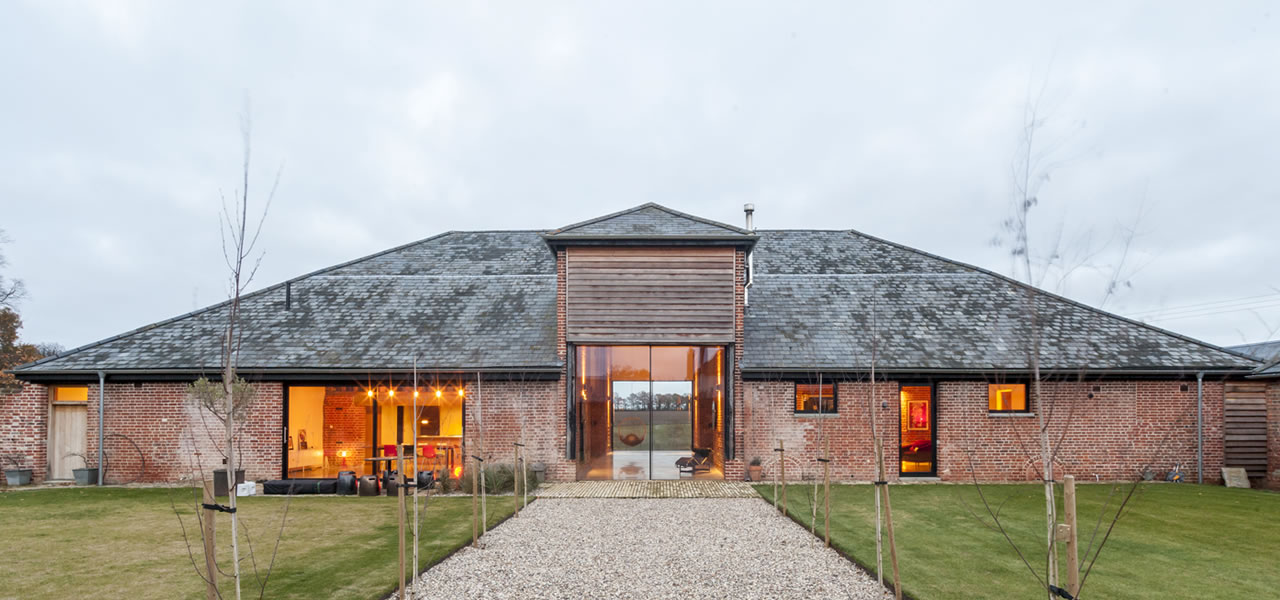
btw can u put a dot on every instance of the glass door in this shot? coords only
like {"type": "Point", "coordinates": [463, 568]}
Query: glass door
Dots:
{"type": "Point", "coordinates": [671, 426]}
{"type": "Point", "coordinates": [649, 412]}
{"type": "Point", "coordinates": [916, 435]}
{"type": "Point", "coordinates": [632, 439]}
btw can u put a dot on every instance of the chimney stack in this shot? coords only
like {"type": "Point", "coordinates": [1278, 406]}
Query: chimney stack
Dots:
{"type": "Point", "coordinates": [749, 209]}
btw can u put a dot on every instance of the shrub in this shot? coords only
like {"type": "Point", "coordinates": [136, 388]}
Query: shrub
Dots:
{"type": "Point", "coordinates": [498, 479]}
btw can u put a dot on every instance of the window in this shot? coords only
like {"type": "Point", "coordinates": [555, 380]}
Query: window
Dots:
{"type": "Point", "coordinates": [73, 394]}
{"type": "Point", "coordinates": [809, 395]}
{"type": "Point", "coordinates": [1007, 397]}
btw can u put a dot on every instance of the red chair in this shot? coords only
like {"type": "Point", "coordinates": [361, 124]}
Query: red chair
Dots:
{"type": "Point", "coordinates": [389, 450]}
{"type": "Point", "coordinates": [428, 451]}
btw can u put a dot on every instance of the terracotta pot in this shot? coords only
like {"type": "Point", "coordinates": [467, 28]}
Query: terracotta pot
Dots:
{"type": "Point", "coordinates": [754, 472]}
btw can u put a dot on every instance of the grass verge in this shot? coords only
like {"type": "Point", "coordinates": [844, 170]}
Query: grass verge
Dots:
{"type": "Point", "coordinates": [127, 543]}
{"type": "Point", "coordinates": [1174, 541]}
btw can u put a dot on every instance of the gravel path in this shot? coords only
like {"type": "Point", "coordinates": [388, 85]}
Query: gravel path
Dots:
{"type": "Point", "coordinates": [661, 548]}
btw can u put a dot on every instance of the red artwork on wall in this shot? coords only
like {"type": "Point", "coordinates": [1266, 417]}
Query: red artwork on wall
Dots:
{"type": "Point", "coordinates": [918, 415]}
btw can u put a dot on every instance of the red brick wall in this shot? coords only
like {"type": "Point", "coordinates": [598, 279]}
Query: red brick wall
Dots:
{"type": "Point", "coordinates": [24, 429]}
{"type": "Point", "coordinates": [771, 417]}
{"type": "Point", "coordinates": [1126, 425]}
{"type": "Point", "coordinates": [509, 407]}
{"type": "Point", "coordinates": [348, 423]}
{"type": "Point", "coordinates": [735, 470]}
{"type": "Point", "coordinates": [176, 440]}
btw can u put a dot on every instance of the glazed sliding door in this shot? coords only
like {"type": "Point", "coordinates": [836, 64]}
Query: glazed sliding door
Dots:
{"type": "Point", "coordinates": [632, 430]}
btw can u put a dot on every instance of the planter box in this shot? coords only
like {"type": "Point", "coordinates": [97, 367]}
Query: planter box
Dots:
{"type": "Point", "coordinates": [17, 476]}
{"type": "Point", "coordinates": [220, 481]}
{"type": "Point", "coordinates": [85, 476]}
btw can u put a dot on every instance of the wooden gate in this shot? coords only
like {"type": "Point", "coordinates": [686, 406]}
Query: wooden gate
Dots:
{"type": "Point", "coordinates": [1245, 427]}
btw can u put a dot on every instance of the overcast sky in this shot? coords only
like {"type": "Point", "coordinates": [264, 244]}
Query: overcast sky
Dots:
{"type": "Point", "coordinates": [119, 128]}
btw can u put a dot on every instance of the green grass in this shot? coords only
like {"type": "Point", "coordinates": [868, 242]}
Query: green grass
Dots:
{"type": "Point", "coordinates": [1174, 541]}
{"type": "Point", "coordinates": [127, 543]}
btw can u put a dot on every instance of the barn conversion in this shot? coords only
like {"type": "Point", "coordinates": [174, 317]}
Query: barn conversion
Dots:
{"type": "Point", "coordinates": [653, 344]}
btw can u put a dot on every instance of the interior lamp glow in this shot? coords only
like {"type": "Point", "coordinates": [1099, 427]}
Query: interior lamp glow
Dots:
{"type": "Point", "coordinates": [370, 393]}
{"type": "Point", "coordinates": [424, 422]}
{"type": "Point", "coordinates": [462, 392]}
{"type": "Point", "coordinates": [415, 393]}
{"type": "Point", "coordinates": [391, 392]}
{"type": "Point", "coordinates": [438, 393]}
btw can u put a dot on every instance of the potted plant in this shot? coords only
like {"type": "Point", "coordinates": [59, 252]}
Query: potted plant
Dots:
{"type": "Point", "coordinates": [86, 475]}
{"type": "Point", "coordinates": [755, 470]}
{"type": "Point", "coordinates": [14, 473]}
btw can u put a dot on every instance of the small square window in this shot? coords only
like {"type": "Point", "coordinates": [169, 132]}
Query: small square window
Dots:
{"type": "Point", "coordinates": [814, 399]}
{"type": "Point", "coordinates": [1007, 397]}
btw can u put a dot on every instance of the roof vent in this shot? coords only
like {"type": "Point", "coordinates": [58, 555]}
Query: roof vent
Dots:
{"type": "Point", "coordinates": [749, 209]}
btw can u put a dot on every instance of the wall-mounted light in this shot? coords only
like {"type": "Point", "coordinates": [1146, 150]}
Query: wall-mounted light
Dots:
{"type": "Point", "coordinates": [391, 392]}
{"type": "Point", "coordinates": [415, 393]}
{"type": "Point", "coordinates": [462, 392]}
{"type": "Point", "coordinates": [439, 392]}
{"type": "Point", "coordinates": [370, 393]}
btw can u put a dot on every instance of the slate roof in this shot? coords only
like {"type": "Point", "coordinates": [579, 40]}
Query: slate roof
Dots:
{"type": "Point", "coordinates": [813, 294]}
{"type": "Point", "coordinates": [1268, 352]}
{"type": "Point", "coordinates": [1265, 351]}
{"type": "Point", "coordinates": [470, 300]}
{"type": "Point", "coordinates": [486, 300]}
{"type": "Point", "coordinates": [650, 221]}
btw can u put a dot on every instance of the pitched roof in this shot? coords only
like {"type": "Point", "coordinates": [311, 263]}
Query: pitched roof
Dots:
{"type": "Point", "coordinates": [814, 294]}
{"type": "Point", "coordinates": [1266, 351]}
{"type": "Point", "coordinates": [650, 221]}
{"type": "Point", "coordinates": [487, 300]}
{"type": "Point", "coordinates": [471, 300]}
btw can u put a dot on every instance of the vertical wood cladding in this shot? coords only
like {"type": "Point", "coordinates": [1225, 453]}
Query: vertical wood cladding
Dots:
{"type": "Point", "coordinates": [630, 295]}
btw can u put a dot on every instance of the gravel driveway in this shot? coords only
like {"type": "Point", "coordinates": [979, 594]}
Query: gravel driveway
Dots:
{"type": "Point", "coordinates": [648, 548]}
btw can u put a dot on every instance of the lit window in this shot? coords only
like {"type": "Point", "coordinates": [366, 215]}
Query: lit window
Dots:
{"type": "Point", "coordinates": [808, 397]}
{"type": "Point", "coordinates": [1007, 397]}
{"type": "Point", "coordinates": [66, 393]}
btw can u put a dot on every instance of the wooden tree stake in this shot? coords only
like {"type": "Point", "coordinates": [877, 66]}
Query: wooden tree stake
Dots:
{"type": "Point", "coordinates": [782, 466]}
{"type": "Point", "coordinates": [399, 483]}
{"type": "Point", "coordinates": [1073, 557]}
{"type": "Point", "coordinates": [826, 493]}
{"type": "Point", "coordinates": [515, 497]}
{"type": "Point", "coordinates": [475, 510]}
{"type": "Point", "coordinates": [888, 517]}
{"type": "Point", "coordinates": [210, 552]}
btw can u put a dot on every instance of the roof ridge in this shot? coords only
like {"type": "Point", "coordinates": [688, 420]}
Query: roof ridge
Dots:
{"type": "Point", "coordinates": [1053, 295]}
{"type": "Point", "coordinates": [654, 205]}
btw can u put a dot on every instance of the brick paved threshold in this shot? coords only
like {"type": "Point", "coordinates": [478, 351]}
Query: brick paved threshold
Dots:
{"type": "Point", "coordinates": [648, 489]}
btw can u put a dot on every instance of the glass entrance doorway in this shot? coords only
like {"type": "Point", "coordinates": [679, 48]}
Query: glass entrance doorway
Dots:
{"type": "Point", "coordinates": [649, 412]}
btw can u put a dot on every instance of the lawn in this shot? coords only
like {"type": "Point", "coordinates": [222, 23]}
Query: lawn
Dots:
{"type": "Point", "coordinates": [1174, 541]}
{"type": "Point", "coordinates": [127, 543]}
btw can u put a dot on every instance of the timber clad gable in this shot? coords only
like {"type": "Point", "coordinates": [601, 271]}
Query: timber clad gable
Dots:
{"type": "Point", "coordinates": [635, 295]}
